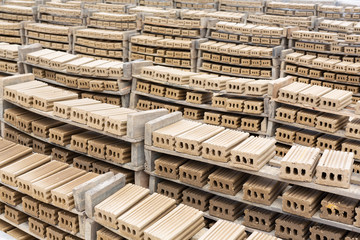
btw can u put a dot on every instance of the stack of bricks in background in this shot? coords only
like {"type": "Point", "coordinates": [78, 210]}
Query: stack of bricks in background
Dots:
{"type": "Point", "coordinates": [208, 184]}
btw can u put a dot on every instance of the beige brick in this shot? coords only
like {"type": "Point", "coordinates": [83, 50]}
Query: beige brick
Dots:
{"type": "Point", "coordinates": [335, 168]}
{"type": "Point", "coordinates": [197, 199]}
{"type": "Point", "coordinates": [331, 122]}
{"type": "Point", "coordinates": [324, 231]}
{"type": "Point", "coordinates": [307, 117]}
{"type": "Point", "coordinates": [286, 113]}
{"type": "Point", "coordinates": [225, 208]}
{"type": "Point", "coordinates": [260, 219]}
{"type": "Point", "coordinates": [289, 227]}
{"type": "Point", "coordinates": [251, 123]}
{"type": "Point", "coordinates": [338, 208]}
{"type": "Point", "coordinates": [301, 201]}
{"type": "Point", "coordinates": [195, 173]}
{"type": "Point", "coordinates": [226, 181]}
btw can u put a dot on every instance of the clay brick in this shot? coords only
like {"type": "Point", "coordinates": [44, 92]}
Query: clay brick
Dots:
{"type": "Point", "coordinates": [117, 124]}
{"type": "Point", "coordinates": [218, 147]}
{"type": "Point", "coordinates": [289, 227]}
{"type": "Point", "coordinates": [63, 155]}
{"type": "Point", "coordinates": [157, 90]}
{"type": "Point", "coordinates": [351, 146]}
{"type": "Point", "coordinates": [19, 234]}
{"type": "Point", "coordinates": [219, 101]}
{"type": "Point", "coordinates": [177, 94]}
{"type": "Point", "coordinates": [79, 142]}
{"type": "Point", "coordinates": [195, 173]}
{"type": "Point", "coordinates": [198, 97]}
{"type": "Point", "coordinates": [286, 133]}
{"type": "Point", "coordinates": [226, 181]}
{"type": "Point", "coordinates": [286, 113]}
{"type": "Point", "coordinates": [335, 168]}
{"type": "Point", "coordinates": [9, 196]}
{"type": "Point", "coordinates": [24, 121]}
{"type": "Point", "coordinates": [48, 213]}
{"type": "Point", "coordinates": [10, 114]}
{"type": "Point", "coordinates": [100, 167]}
{"type": "Point", "coordinates": [62, 135]}
{"type": "Point", "coordinates": [307, 137]}
{"type": "Point", "coordinates": [168, 166]}
{"type": "Point", "coordinates": [352, 128]}
{"type": "Point", "coordinates": [212, 118]}
{"type": "Point", "coordinates": [187, 220]}
{"type": "Point", "coordinates": [290, 93]}
{"type": "Point", "coordinates": [196, 198]}
{"type": "Point", "coordinates": [307, 117]}
{"type": "Point", "coordinates": [41, 147]}
{"type": "Point", "coordinates": [24, 140]}
{"type": "Point", "coordinates": [11, 134]}
{"type": "Point", "coordinates": [118, 152]}
{"type": "Point", "coordinates": [37, 227]}
{"type": "Point", "coordinates": [357, 217]}
{"type": "Point", "coordinates": [225, 208]}
{"type": "Point", "coordinates": [237, 85]}
{"type": "Point", "coordinates": [261, 190]}
{"type": "Point", "coordinates": [261, 219]}
{"type": "Point", "coordinates": [230, 121]}
{"type": "Point", "coordinates": [311, 96]}
{"type": "Point", "coordinates": [352, 236]}
{"type": "Point", "coordinates": [44, 101]}
{"type": "Point", "coordinates": [84, 163]}
{"type": "Point", "coordinates": [171, 190]}
{"type": "Point", "coordinates": [260, 235]}
{"type": "Point", "coordinates": [217, 83]}
{"type": "Point", "coordinates": [69, 221]}
{"type": "Point", "coordinates": [301, 201]}
{"type": "Point", "coordinates": [80, 113]}
{"type": "Point", "coordinates": [53, 233]}
{"type": "Point", "coordinates": [193, 113]}
{"type": "Point", "coordinates": [257, 88]}
{"type": "Point", "coordinates": [5, 227]}
{"type": "Point", "coordinates": [31, 206]}
{"type": "Point", "coordinates": [324, 231]}
{"type": "Point", "coordinates": [356, 167]}
{"type": "Point", "coordinates": [105, 234]}
{"type": "Point", "coordinates": [12, 154]}
{"type": "Point", "coordinates": [247, 156]}
{"type": "Point", "coordinates": [41, 189]}
{"type": "Point", "coordinates": [281, 150]}
{"type": "Point", "coordinates": [63, 196]}
{"type": "Point", "coordinates": [190, 141]}
{"type": "Point", "coordinates": [299, 163]}
{"type": "Point", "coordinates": [107, 212]}
{"type": "Point", "coordinates": [199, 80]}
{"type": "Point", "coordinates": [14, 215]}
{"type": "Point", "coordinates": [63, 108]}
{"type": "Point", "coordinates": [338, 208]}
{"type": "Point", "coordinates": [41, 127]}
{"type": "Point", "coordinates": [335, 100]}
{"type": "Point", "coordinates": [173, 108]}
{"type": "Point", "coordinates": [221, 230]}
{"type": "Point", "coordinates": [99, 119]}
{"type": "Point", "coordinates": [252, 124]}
{"type": "Point", "coordinates": [235, 104]}
{"type": "Point", "coordinates": [254, 107]}
{"type": "Point", "coordinates": [97, 146]}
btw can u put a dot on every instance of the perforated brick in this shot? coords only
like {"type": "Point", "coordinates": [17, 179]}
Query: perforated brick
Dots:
{"type": "Point", "coordinates": [225, 208]}
{"type": "Point", "coordinates": [289, 227]}
{"type": "Point", "coordinates": [286, 113]}
{"type": "Point", "coordinates": [299, 163]}
{"type": "Point", "coordinates": [301, 201]}
{"type": "Point", "coordinates": [324, 231]}
{"type": "Point", "coordinates": [260, 219]}
{"type": "Point", "coordinates": [226, 181]}
{"type": "Point", "coordinates": [195, 173]}
{"type": "Point", "coordinates": [193, 113]}
{"type": "Point", "coordinates": [15, 216]}
{"type": "Point", "coordinates": [198, 97]}
{"type": "Point", "coordinates": [31, 206]}
{"type": "Point", "coordinates": [252, 124]}
{"type": "Point", "coordinates": [196, 198]}
{"type": "Point", "coordinates": [338, 208]}
{"type": "Point", "coordinates": [212, 118]}
{"type": "Point", "coordinates": [249, 154]}
{"type": "Point", "coordinates": [230, 121]}
{"type": "Point", "coordinates": [168, 166]}
{"type": "Point", "coordinates": [37, 227]}
{"type": "Point", "coordinates": [335, 168]}
{"type": "Point", "coordinates": [171, 190]}
{"type": "Point", "coordinates": [307, 117]}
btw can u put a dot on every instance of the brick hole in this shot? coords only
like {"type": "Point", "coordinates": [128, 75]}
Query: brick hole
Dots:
{"type": "Point", "coordinates": [302, 207]}
{"type": "Point", "coordinates": [295, 205]}
{"type": "Point", "coordinates": [251, 219]}
{"type": "Point", "coordinates": [257, 220]}
{"type": "Point", "coordinates": [282, 228]}
{"type": "Point", "coordinates": [332, 176]}
{"type": "Point", "coordinates": [287, 170]}
{"type": "Point", "coordinates": [249, 193]}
